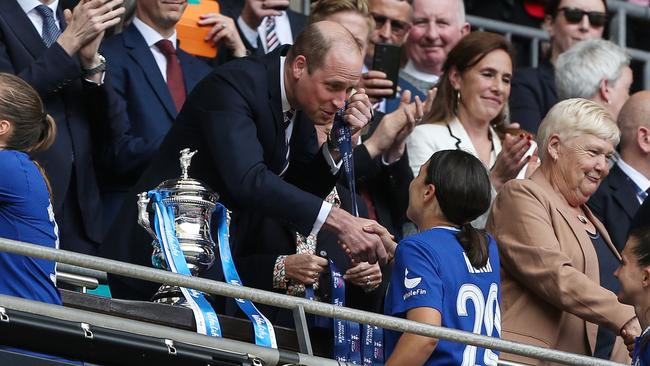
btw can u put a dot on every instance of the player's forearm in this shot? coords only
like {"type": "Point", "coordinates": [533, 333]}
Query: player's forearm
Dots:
{"type": "Point", "coordinates": [412, 350]}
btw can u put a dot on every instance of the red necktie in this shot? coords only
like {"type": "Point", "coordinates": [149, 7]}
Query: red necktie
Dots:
{"type": "Point", "coordinates": [175, 81]}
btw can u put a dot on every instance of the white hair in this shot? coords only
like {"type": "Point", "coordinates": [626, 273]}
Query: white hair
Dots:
{"type": "Point", "coordinates": [580, 69]}
{"type": "Point", "coordinates": [575, 117]}
{"type": "Point", "coordinates": [460, 5]}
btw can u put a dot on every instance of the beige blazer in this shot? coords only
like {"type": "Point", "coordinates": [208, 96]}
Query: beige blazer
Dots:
{"type": "Point", "coordinates": [550, 289]}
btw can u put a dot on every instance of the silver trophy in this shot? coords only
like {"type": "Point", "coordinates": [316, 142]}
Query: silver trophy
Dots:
{"type": "Point", "coordinates": [192, 203]}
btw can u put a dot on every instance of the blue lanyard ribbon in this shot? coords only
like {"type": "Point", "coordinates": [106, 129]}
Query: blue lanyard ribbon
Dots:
{"type": "Point", "coordinates": [343, 136]}
{"type": "Point", "coordinates": [264, 332]}
{"type": "Point", "coordinates": [347, 334]}
{"type": "Point", "coordinates": [205, 316]}
{"type": "Point", "coordinates": [373, 347]}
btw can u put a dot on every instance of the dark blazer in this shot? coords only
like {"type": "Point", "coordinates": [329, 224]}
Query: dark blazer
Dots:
{"type": "Point", "coordinates": [387, 185]}
{"type": "Point", "coordinates": [233, 8]}
{"type": "Point", "coordinates": [234, 119]}
{"type": "Point", "coordinates": [257, 265]}
{"type": "Point", "coordinates": [642, 217]}
{"type": "Point", "coordinates": [615, 203]}
{"type": "Point", "coordinates": [77, 106]}
{"type": "Point", "coordinates": [532, 95]}
{"type": "Point", "coordinates": [136, 78]}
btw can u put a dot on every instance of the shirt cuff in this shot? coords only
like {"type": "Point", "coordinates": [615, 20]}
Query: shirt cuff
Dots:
{"type": "Point", "coordinates": [334, 166]}
{"type": "Point", "coordinates": [249, 33]}
{"type": "Point", "coordinates": [325, 209]}
{"type": "Point", "coordinates": [279, 274]}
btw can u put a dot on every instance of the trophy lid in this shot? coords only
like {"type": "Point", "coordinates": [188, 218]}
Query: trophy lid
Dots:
{"type": "Point", "coordinates": [186, 186]}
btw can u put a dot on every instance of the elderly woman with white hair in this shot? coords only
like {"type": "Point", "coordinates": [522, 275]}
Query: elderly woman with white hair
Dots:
{"type": "Point", "coordinates": [597, 70]}
{"type": "Point", "coordinates": [549, 240]}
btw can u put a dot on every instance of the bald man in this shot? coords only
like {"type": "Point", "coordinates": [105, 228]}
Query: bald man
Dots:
{"type": "Point", "coordinates": [252, 122]}
{"type": "Point", "coordinates": [619, 196]}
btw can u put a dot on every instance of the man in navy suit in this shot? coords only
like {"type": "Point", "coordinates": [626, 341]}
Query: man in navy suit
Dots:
{"type": "Point", "coordinates": [56, 52]}
{"type": "Point", "coordinates": [138, 69]}
{"type": "Point", "coordinates": [620, 195]}
{"type": "Point", "coordinates": [252, 122]}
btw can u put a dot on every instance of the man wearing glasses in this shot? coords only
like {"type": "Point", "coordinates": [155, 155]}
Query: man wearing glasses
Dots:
{"type": "Point", "coordinates": [567, 22]}
{"type": "Point", "coordinates": [392, 24]}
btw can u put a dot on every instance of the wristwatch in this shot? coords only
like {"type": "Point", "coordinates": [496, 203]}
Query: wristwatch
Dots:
{"type": "Point", "coordinates": [97, 69]}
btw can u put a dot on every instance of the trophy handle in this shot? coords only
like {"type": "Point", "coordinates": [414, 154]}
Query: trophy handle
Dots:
{"type": "Point", "coordinates": [143, 215]}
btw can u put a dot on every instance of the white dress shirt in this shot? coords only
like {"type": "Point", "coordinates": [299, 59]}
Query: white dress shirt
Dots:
{"type": "Point", "coordinates": [641, 181]}
{"type": "Point", "coordinates": [282, 29]}
{"type": "Point", "coordinates": [29, 7]}
{"type": "Point", "coordinates": [326, 207]}
{"type": "Point", "coordinates": [151, 36]}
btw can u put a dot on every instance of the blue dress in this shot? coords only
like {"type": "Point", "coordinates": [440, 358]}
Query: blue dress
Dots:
{"type": "Point", "coordinates": [432, 270]}
{"type": "Point", "coordinates": [26, 215]}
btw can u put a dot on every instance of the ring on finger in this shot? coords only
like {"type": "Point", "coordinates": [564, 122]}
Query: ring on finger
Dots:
{"type": "Point", "coordinates": [223, 25]}
{"type": "Point", "coordinates": [367, 280]}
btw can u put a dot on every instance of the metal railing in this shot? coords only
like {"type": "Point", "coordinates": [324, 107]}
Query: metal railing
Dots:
{"type": "Point", "coordinates": [289, 302]}
{"type": "Point", "coordinates": [621, 10]}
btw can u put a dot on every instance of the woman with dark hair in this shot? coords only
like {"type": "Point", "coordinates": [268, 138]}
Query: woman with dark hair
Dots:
{"type": "Point", "coordinates": [448, 267]}
{"type": "Point", "coordinates": [471, 101]}
{"type": "Point", "coordinates": [567, 22]}
{"type": "Point", "coordinates": [634, 275]}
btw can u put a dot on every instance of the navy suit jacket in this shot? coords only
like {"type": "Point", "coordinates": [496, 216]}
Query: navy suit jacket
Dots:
{"type": "Point", "coordinates": [77, 107]}
{"type": "Point", "coordinates": [615, 203]}
{"type": "Point", "coordinates": [642, 217]}
{"type": "Point", "coordinates": [136, 78]}
{"type": "Point", "coordinates": [234, 119]}
{"type": "Point", "coordinates": [532, 95]}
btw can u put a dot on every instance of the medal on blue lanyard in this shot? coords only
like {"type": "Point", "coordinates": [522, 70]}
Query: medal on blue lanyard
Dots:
{"type": "Point", "coordinates": [264, 332]}
{"type": "Point", "coordinates": [205, 316]}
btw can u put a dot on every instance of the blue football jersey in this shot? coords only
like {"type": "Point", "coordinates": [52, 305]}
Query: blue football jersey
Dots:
{"type": "Point", "coordinates": [26, 215]}
{"type": "Point", "coordinates": [432, 270]}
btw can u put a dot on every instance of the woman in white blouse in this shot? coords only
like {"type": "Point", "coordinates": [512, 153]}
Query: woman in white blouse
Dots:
{"type": "Point", "coordinates": [471, 100]}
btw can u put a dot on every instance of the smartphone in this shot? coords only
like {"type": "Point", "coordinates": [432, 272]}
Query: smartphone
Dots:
{"type": "Point", "coordinates": [387, 59]}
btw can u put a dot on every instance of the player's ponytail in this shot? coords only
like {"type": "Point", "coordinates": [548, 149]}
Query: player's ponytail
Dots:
{"type": "Point", "coordinates": [463, 190]}
{"type": "Point", "coordinates": [32, 129]}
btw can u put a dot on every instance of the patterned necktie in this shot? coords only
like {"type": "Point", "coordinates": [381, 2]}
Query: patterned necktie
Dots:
{"type": "Point", "coordinates": [288, 117]}
{"type": "Point", "coordinates": [271, 36]}
{"type": "Point", "coordinates": [50, 31]}
{"type": "Point", "coordinates": [175, 81]}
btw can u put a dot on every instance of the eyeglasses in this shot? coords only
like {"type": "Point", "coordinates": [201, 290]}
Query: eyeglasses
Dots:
{"type": "Point", "coordinates": [397, 27]}
{"type": "Point", "coordinates": [574, 16]}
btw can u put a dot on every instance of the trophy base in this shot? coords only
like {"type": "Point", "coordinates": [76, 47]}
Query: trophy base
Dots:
{"type": "Point", "coordinates": [172, 295]}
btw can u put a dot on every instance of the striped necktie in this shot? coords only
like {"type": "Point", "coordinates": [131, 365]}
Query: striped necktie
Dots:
{"type": "Point", "coordinates": [271, 35]}
{"type": "Point", "coordinates": [288, 118]}
{"type": "Point", "coordinates": [50, 30]}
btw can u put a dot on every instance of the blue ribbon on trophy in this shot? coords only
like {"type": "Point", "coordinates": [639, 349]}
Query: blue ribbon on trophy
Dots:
{"type": "Point", "coordinates": [264, 332]}
{"type": "Point", "coordinates": [206, 318]}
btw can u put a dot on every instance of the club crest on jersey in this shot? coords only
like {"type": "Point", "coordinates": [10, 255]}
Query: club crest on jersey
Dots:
{"type": "Point", "coordinates": [411, 283]}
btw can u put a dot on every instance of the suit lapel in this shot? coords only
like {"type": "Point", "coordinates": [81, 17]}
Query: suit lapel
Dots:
{"type": "Point", "coordinates": [272, 62]}
{"type": "Point", "coordinates": [623, 192]}
{"type": "Point", "coordinates": [23, 27]}
{"type": "Point", "coordinates": [577, 228]}
{"type": "Point", "coordinates": [189, 67]}
{"type": "Point", "coordinates": [141, 54]}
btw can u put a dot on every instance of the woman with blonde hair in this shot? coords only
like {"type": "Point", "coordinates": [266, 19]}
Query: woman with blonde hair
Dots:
{"type": "Point", "coordinates": [556, 257]}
